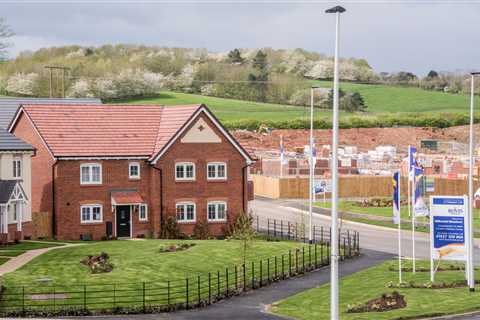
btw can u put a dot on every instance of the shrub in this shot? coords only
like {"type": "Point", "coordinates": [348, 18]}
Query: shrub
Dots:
{"type": "Point", "coordinates": [171, 229]}
{"type": "Point", "coordinates": [201, 230]}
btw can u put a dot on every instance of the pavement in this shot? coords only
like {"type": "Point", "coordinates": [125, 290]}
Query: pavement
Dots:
{"type": "Point", "coordinates": [253, 304]}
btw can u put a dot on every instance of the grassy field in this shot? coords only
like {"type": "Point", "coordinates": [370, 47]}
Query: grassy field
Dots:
{"type": "Point", "coordinates": [380, 99]}
{"type": "Point", "coordinates": [371, 283]}
{"type": "Point", "coordinates": [231, 109]}
{"type": "Point", "coordinates": [137, 261]}
{"type": "Point", "coordinates": [391, 99]}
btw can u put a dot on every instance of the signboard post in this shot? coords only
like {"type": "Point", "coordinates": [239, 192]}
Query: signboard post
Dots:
{"type": "Point", "coordinates": [447, 229]}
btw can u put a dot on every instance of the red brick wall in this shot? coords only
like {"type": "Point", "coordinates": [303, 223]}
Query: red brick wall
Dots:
{"type": "Point", "coordinates": [70, 194]}
{"type": "Point", "coordinates": [233, 190]}
{"type": "Point", "coordinates": [42, 163]}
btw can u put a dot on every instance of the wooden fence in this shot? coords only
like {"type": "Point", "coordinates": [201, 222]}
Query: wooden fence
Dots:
{"type": "Point", "coordinates": [350, 187]}
{"type": "Point", "coordinates": [42, 225]}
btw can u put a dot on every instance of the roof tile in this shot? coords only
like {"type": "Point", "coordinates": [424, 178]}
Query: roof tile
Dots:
{"type": "Point", "coordinates": [107, 130]}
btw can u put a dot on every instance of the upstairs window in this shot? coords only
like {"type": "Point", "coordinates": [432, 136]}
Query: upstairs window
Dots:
{"type": "Point", "coordinates": [134, 170]}
{"type": "Point", "coordinates": [91, 173]}
{"type": "Point", "coordinates": [217, 211]}
{"type": "Point", "coordinates": [185, 171]}
{"type": "Point", "coordinates": [186, 212]}
{"type": "Point", "coordinates": [17, 168]}
{"type": "Point", "coordinates": [91, 213]}
{"type": "Point", "coordinates": [216, 171]}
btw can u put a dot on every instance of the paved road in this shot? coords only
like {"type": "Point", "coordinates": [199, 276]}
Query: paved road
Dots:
{"type": "Point", "coordinates": [252, 305]}
{"type": "Point", "coordinates": [371, 237]}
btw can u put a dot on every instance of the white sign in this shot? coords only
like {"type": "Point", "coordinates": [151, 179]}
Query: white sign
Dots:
{"type": "Point", "coordinates": [447, 227]}
{"type": "Point", "coordinates": [322, 186]}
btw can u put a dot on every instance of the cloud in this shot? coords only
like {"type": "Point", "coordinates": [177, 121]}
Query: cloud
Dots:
{"type": "Point", "coordinates": [414, 36]}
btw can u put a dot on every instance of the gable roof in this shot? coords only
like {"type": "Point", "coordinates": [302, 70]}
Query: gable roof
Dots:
{"type": "Point", "coordinates": [113, 131]}
{"type": "Point", "coordinates": [9, 106]}
{"type": "Point", "coordinates": [8, 142]}
{"type": "Point", "coordinates": [105, 130]}
{"type": "Point", "coordinates": [7, 187]}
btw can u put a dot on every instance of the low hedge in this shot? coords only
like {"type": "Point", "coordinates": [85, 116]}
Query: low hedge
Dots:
{"type": "Point", "coordinates": [440, 120]}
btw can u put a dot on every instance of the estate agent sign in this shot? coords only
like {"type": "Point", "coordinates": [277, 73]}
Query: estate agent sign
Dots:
{"type": "Point", "coordinates": [447, 227]}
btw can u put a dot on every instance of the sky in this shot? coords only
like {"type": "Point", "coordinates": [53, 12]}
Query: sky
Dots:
{"type": "Point", "coordinates": [415, 36]}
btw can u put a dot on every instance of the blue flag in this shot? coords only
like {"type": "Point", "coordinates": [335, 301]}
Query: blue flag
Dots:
{"type": "Point", "coordinates": [396, 198]}
{"type": "Point", "coordinates": [420, 209]}
{"type": "Point", "coordinates": [412, 161]}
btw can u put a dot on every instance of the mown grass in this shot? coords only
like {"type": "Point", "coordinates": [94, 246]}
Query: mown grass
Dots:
{"type": "Point", "coordinates": [138, 261]}
{"type": "Point", "coordinates": [371, 283]}
{"type": "Point", "coordinates": [3, 260]}
{"type": "Point", "coordinates": [29, 245]}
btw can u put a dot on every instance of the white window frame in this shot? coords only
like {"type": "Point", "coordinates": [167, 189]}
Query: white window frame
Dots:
{"type": "Point", "coordinates": [216, 203]}
{"type": "Point", "coordinates": [217, 164]}
{"type": "Point", "coordinates": [130, 165]}
{"type": "Point", "coordinates": [143, 205]}
{"type": "Point", "coordinates": [90, 175]}
{"type": "Point", "coordinates": [17, 167]}
{"type": "Point", "coordinates": [185, 204]}
{"type": "Point", "coordinates": [91, 206]}
{"type": "Point", "coordinates": [184, 165]}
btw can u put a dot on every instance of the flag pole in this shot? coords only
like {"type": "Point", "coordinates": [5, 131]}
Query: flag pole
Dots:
{"type": "Point", "coordinates": [399, 177]}
{"type": "Point", "coordinates": [408, 184]}
{"type": "Point", "coordinates": [413, 220]}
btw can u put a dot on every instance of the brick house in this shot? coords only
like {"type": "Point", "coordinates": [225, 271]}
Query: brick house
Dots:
{"type": "Point", "coordinates": [121, 170]}
{"type": "Point", "coordinates": [15, 188]}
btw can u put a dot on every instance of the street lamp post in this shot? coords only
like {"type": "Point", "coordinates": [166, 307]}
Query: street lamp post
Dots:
{"type": "Point", "coordinates": [470, 264]}
{"type": "Point", "coordinates": [311, 170]}
{"type": "Point", "coordinates": [334, 241]}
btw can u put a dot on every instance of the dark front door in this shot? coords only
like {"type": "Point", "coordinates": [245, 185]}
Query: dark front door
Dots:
{"type": "Point", "coordinates": [123, 221]}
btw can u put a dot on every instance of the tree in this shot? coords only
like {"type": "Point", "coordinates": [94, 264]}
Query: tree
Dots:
{"type": "Point", "coordinates": [242, 230]}
{"type": "Point", "coordinates": [349, 101]}
{"type": "Point", "coordinates": [5, 33]}
{"type": "Point", "coordinates": [259, 79]}
{"type": "Point", "coordinates": [432, 74]}
{"type": "Point", "coordinates": [235, 57]}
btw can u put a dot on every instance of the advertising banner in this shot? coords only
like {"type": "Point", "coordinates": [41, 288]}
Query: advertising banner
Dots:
{"type": "Point", "coordinates": [420, 209]}
{"type": "Point", "coordinates": [447, 227]}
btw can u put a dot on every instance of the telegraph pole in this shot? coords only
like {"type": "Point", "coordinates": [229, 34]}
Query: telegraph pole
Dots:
{"type": "Point", "coordinates": [52, 69]}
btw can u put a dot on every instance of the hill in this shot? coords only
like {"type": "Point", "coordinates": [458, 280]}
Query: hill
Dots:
{"type": "Point", "coordinates": [389, 106]}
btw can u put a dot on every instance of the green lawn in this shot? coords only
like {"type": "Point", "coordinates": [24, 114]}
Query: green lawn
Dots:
{"type": "Point", "coordinates": [137, 261]}
{"type": "Point", "coordinates": [3, 260]}
{"type": "Point", "coordinates": [29, 245]}
{"type": "Point", "coordinates": [371, 283]}
{"type": "Point", "coordinates": [142, 275]}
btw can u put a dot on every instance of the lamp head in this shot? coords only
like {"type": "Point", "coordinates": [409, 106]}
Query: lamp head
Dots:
{"type": "Point", "coordinates": [336, 9]}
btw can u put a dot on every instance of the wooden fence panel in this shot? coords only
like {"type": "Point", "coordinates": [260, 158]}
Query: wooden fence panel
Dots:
{"type": "Point", "coordinates": [350, 187]}
{"type": "Point", "coordinates": [42, 225]}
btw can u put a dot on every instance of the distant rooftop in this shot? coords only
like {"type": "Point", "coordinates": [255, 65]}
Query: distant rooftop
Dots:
{"type": "Point", "coordinates": [9, 106]}
{"type": "Point", "coordinates": [8, 142]}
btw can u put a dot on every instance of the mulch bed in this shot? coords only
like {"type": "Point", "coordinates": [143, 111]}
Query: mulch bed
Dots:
{"type": "Point", "coordinates": [386, 302]}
